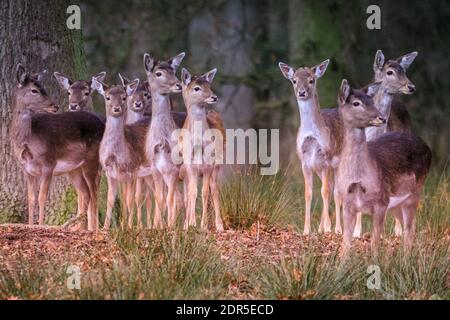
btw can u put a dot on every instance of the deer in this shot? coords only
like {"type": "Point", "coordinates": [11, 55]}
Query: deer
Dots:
{"type": "Point", "coordinates": [197, 96]}
{"type": "Point", "coordinates": [80, 99]}
{"type": "Point", "coordinates": [122, 147]}
{"type": "Point", "coordinates": [318, 139]}
{"type": "Point", "coordinates": [373, 176]}
{"type": "Point", "coordinates": [139, 105]}
{"type": "Point", "coordinates": [158, 145]}
{"type": "Point", "coordinates": [51, 144]}
{"type": "Point", "coordinates": [392, 76]}
{"type": "Point", "coordinates": [138, 118]}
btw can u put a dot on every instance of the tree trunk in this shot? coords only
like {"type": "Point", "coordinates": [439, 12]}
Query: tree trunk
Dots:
{"type": "Point", "coordinates": [35, 34]}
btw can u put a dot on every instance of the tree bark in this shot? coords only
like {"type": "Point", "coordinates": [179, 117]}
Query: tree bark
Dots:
{"type": "Point", "coordinates": [35, 34]}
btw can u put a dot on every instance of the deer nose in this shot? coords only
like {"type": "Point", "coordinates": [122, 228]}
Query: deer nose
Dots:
{"type": "Point", "coordinates": [117, 109]}
{"type": "Point", "coordinates": [214, 99]}
{"type": "Point", "coordinates": [411, 88]}
{"type": "Point", "coordinates": [302, 93]}
{"type": "Point", "coordinates": [138, 104]}
{"type": "Point", "coordinates": [178, 86]}
{"type": "Point", "coordinates": [74, 106]}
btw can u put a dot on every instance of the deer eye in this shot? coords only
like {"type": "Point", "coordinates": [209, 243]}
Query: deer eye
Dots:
{"type": "Point", "coordinates": [124, 98]}
{"type": "Point", "coordinates": [356, 103]}
{"type": "Point", "coordinates": [311, 81]}
{"type": "Point", "coordinates": [145, 94]}
{"type": "Point", "coordinates": [34, 91]}
{"type": "Point", "coordinates": [158, 74]}
{"type": "Point", "coordinates": [294, 81]}
{"type": "Point", "coordinates": [390, 73]}
{"type": "Point", "coordinates": [69, 93]}
{"type": "Point", "coordinates": [108, 98]}
{"type": "Point", "coordinates": [86, 94]}
{"type": "Point", "coordinates": [197, 89]}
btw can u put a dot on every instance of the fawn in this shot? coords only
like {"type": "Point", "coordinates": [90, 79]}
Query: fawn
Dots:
{"type": "Point", "coordinates": [318, 139]}
{"type": "Point", "coordinates": [393, 80]}
{"type": "Point", "coordinates": [121, 148]}
{"type": "Point", "coordinates": [162, 82]}
{"type": "Point", "coordinates": [138, 104]}
{"type": "Point", "coordinates": [197, 95]}
{"type": "Point", "coordinates": [374, 176]}
{"type": "Point", "coordinates": [53, 144]}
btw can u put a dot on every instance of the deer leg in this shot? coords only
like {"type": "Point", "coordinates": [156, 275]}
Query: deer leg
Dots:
{"type": "Point", "coordinates": [44, 185]}
{"type": "Point", "coordinates": [191, 199]}
{"type": "Point", "coordinates": [31, 195]}
{"type": "Point", "coordinates": [92, 179]}
{"type": "Point", "coordinates": [398, 215]}
{"type": "Point", "coordinates": [349, 225]}
{"type": "Point", "coordinates": [159, 197]}
{"type": "Point", "coordinates": [216, 201]}
{"type": "Point", "coordinates": [150, 190]}
{"type": "Point", "coordinates": [205, 198]}
{"type": "Point", "coordinates": [138, 199]}
{"type": "Point", "coordinates": [337, 208]}
{"type": "Point", "coordinates": [131, 184]}
{"type": "Point", "coordinates": [325, 222]}
{"type": "Point", "coordinates": [378, 222]}
{"type": "Point", "coordinates": [358, 228]}
{"type": "Point", "coordinates": [171, 203]}
{"type": "Point", "coordinates": [113, 185]}
{"type": "Point", "coordinates": [80, 185]}
{"type": "Point", "coordinates": [308, 177]}
{"type": "Point", "coordinates": [409, 210]}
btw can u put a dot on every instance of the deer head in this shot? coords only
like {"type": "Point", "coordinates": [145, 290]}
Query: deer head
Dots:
{"type": "Point", "coordinates": [79, 92]}
{"type": "Point", "coordinates": [357, 107]}
{"type": "Point", "coordinates": [30, 93]}
{"type": "Point", "coordinates": [140, 100]}
{"type": "Point", "coordinates": [115, 96]}
{"type": "Point", "coordinates": [392, 73]}
{"type": "Point", "coordinates": [304, 79]}
{"type": "Point", "coordinates": [161, 74]}
{"type": "Point", "coordinates": [197, 89]}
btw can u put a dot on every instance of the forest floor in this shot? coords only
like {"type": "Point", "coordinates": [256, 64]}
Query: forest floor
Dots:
{"type": "Point", "coordinates": [262, 254]}
{"type": "Point", "coordinates": [43, 254]}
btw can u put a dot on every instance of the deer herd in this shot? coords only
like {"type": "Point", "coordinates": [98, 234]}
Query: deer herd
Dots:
{"type": "Point", "coordinates": [363, 151]}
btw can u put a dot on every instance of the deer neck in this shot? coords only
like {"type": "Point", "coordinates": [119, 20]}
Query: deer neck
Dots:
{"type": "Point", "coordinates": [114, 130]}
{"type": "Point", "coordinates": [311, 121]}
{"type": "Point", "coordinates": [133, 116]}
{"type": "Point", "coordinates": [197, 114]}
{"type": "Point", "coordinates": [383, 101]}
{"type": "Point", "coordinates": [355, 159]}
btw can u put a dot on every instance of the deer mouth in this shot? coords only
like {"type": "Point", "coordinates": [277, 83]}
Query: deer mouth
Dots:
{"type": "Point", "coordinates": [377, 122]}
{"type": "Point", "coordinates": [176, 88]}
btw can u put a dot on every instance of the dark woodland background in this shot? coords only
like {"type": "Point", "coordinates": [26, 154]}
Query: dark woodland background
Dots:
{"type": "Point", "coordinates": [245, 40]}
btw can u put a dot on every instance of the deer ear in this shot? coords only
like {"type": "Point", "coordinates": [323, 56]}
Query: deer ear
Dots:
{"type": "Point", "coordinates": [21, 74]}
{"type": "Point", "coordinates": [149, 62]}
{"type": "Point", "coordinates": [63, 81]}
{"type": "Point", "coordinates": [287, 71]}
{"type": "Point", "coordinates": [344, 91]}
{"type": "Point", "coordinates": [39, 76]}
{"type": "Point", "coordinates": [98, 86]}
{"type": "Point", "coordinates": [373, 88]}
{"type": "Point", "coordinates": [124, 80]}
{"type": "Point", "coordinates": [186, 77]}
{"type": "Point", "coordinates": [209, 76]}
{"type": "Point", "coordinates": [378, 63]}
{"type": "Point", "coordinates": [101, 76]}
{"type": "Point", "coordinates": [132, 86]}
{"type": "Point", "coordinates": [176, 61]}
{"type": "Point", "coordinates": [406, 60]}
{"type": "Point", "coordinates": [320, 69]}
